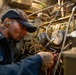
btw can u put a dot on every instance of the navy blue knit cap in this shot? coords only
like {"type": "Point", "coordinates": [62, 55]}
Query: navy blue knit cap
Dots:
{"type": "Point", "coordinates": [21, 17]}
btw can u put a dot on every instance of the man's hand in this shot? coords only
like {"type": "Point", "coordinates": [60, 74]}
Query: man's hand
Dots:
{"type": "Point", "coordinates": [55, 54]}
{"type": "Point", "coordinates": [48, 60]}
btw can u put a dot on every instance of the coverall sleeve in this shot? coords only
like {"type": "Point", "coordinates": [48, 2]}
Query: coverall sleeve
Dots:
{"type": "Point", "coordinates": [28, 66]}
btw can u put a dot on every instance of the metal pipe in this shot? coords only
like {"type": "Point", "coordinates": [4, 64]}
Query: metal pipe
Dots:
{"type": "Point", "coordinates": [73, 10]}
{"type": "Point", "coordinates": [73, 22]}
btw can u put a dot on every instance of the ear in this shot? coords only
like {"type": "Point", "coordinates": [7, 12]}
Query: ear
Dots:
{"type": "Point", "coordinates": [7, 22]}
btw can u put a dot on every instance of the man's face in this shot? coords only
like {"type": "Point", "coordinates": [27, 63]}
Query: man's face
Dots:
{"type": "Point", "coordinates": [16, 31]}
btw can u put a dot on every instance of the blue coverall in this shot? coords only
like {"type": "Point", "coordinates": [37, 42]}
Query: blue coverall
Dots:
{"type": "Point", "coordinates": [27, 66]}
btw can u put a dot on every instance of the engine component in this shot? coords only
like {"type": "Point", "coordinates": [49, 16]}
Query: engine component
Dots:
{"type": "Point", "coordinates": [54, 43]}
{"type": "Point", "coordinates": [43, 38]}
{"type": "Point", "coordinates": [57, 37]}
{"type": "Point", "coordinates": [72, 34]}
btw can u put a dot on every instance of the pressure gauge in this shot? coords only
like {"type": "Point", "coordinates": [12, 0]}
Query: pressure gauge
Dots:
{"type": "Point", "coordinates": [57, 37]}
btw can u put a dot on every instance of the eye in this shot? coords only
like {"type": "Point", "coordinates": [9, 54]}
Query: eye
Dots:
{"type": "Point", "coordinates": [23, 27]}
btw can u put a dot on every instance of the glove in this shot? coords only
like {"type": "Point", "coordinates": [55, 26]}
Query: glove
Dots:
{"type": "Point", "coordinates": [47, 60]}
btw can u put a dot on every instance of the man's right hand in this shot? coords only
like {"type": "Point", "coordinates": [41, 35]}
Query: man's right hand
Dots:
{"type": "Point", "coordinates": [47, 60]}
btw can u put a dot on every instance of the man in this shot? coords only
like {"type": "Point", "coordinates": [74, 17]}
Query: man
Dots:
{"type": "Point", "coordinates": [14, 26]}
